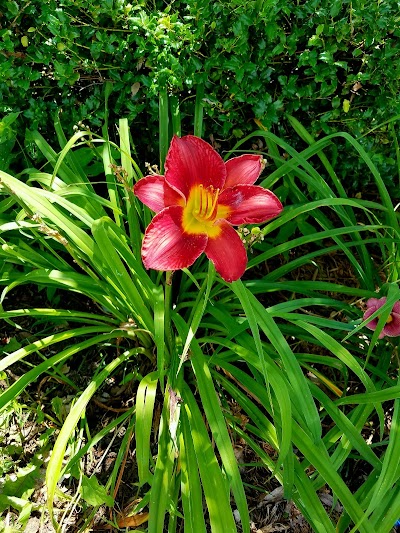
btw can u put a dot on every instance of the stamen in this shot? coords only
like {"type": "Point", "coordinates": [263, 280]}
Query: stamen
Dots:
{"type": "Point", "coordinates": [207, 206]}
{"type": "Point", "coordinates": [198, 201]}
{"type": "Point", "coordinates": [212, 211]}
{"type": "Point", "coordinates": [205, 203]}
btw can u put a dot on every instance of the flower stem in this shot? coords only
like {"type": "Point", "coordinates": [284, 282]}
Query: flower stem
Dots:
{"type": "Point", "coordinates": [167, 310]}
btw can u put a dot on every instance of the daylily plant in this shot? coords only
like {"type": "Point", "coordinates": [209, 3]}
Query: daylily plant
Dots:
{"type": "Point", "coordinates": [392, 326]}
{"type": "Point", "coordinates": [197, 202]}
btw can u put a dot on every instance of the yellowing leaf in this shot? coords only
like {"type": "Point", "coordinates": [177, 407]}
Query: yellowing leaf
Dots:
{"type": "Point", "coordinates": [24, 41]}
{"type": "Point", "coordinates": [346, 106]}
{"type": "Point", "coordinates": [135, 88]}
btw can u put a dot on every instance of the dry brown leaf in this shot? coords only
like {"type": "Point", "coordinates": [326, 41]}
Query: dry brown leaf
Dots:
{"type": "Point", "coordinates": [133, 521]}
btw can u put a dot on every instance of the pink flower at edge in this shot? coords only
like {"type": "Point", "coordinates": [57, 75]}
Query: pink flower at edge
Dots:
{"type": "Point", "coordinates": [392, 326]}
{"type": "Point", "coordinates": [197, 202]}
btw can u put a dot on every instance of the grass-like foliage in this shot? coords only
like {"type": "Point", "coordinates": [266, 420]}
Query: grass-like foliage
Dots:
{"type": "Point", "coordinates": [279, 361]}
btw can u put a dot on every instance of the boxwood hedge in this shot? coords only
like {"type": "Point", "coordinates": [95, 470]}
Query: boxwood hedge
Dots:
{"type": "Point", "coordinates": [333, 64]}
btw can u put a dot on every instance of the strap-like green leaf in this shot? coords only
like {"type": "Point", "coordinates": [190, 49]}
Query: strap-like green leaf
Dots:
{"type": "Point", "coordinates": [145, 399]}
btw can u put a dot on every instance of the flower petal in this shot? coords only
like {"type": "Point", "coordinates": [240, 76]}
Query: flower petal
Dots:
{"type": "Point", "coordinates": [392, 329]}
{"type": "Point", "coordinates": [155, 192]}
{"type": "Point", "coordinates": [227, 253]}
{"type": "Point", "coordinates": [368, 313]}
{"type": "Point", "coordinates": [243, 170]}
{"type": "Point", "coordinates": [372, 323]}
{"type": "Point", "coordinates": [375, 303]}
{"type": "Point", "coordinates": [166, 246]}
{"type": "Point", "coordinates": [191, 161]}
{"type": "Point", "coordinates": [249, 204]}
{"type": "Point", "coordinates": [396, 308]}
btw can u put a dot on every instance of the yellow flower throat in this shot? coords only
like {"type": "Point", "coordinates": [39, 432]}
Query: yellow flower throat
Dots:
{"type": "Point", "coordinates": [205, 203]}
{"type": "Point", "coordinates": [201, 211]}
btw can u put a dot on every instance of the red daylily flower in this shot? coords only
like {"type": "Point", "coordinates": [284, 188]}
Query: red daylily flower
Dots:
{"type": "Point", "coordinates": [197, 201]}
{"type": "Point", "coordinates": [392, 326]}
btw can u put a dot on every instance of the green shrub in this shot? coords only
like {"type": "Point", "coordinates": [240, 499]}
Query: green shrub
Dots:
{"type": "Point", "coordinates": [7, 140]}
{"type": "Point", "coordinates": [333, 65]}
